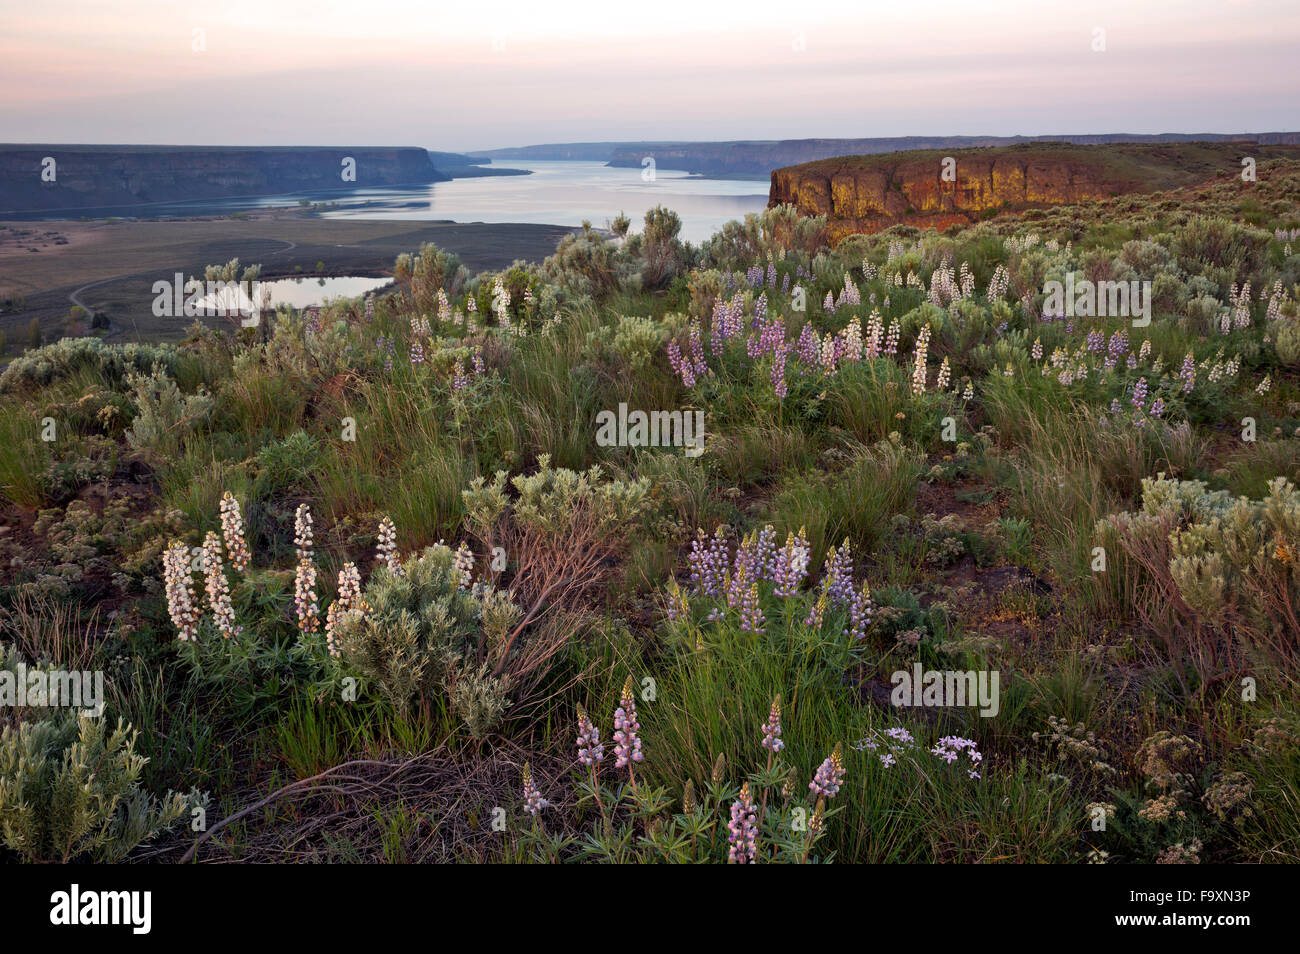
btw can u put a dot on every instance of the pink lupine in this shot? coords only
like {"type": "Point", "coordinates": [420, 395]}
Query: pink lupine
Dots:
{"type": "Point", "coordinates": [742, 830]}
{"type": "Point", "coordinates": [830, 775]}
{"type": "Point", "coordinates": [627, 742]}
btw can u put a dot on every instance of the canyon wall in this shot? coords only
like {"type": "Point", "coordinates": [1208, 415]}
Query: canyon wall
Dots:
{"type": "Point", "coordinates": [109, 176]}
{"type": "Point", "coordinates": [870, 193]}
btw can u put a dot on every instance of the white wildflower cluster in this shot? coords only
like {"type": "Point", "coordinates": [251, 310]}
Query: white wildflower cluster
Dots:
{"type": "Point", "coordinates": [918, 364]}
{"type": "Point", "coordinates": [232, 531]}
{"type": "Point", "coordinates": [347, 602]}
{"type": "Point", "coordinates": [464, 566]}
{"type": "Point", "coordinates": [179, 589]}
{"type": "Point", "coordinates": [218, 589]}
{"type": "Point", "coordinates": [999, 283]}
{"type": "Point", "coordinates": [304, 584]}
{"type": "Point", "coordinates": [387, 546]}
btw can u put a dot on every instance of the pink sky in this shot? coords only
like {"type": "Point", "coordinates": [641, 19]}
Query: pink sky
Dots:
{"type": "Point", "coordinates": [488, 74]}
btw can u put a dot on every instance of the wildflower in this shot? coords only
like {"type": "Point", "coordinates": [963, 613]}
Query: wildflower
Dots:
{"type": "Point", "coordinates": [464, 567]}
{"type": "Point", "coordinates": [627, 743]}
{"type": "Point", "coordinates": [918, 368]}
{"type": "Point", "coordinates": [232, 529]}
{"type": "Point", "coordinates": [590, 749]}
{"type": "Point", "coordinates": [304, 586]}
{"type": "Point", "coordinates": [772, 729]}
{"type": "Point", "coordinates": [830, 774]}
{"type": "Point", "coordinates": [417, 354]}
{"type": "Point", "coordinates": [387, 546]}
{"type": "Point", "coordinates": [742, 830]}
{"type": "Point", "coordinates": [347, 601]}
{"type": "Point", "coordinates": [1188, 373]}
{"type": "Point", "coordinates": [1037, 350]}
{"type": "Point", "coordinates": [217, 588]}
{"type": "Point", "coordinates": [180, 591]}
{"type": "Point", "coordinates": [945, 372]}
{"type": "Point", "coordinates": [950, 747]}
{"type": "Point", "coordinates": [533, 801]}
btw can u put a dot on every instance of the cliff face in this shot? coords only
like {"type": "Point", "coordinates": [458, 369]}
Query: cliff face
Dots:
{"type": "Point", "coordinates": [761, 158]}
{"type": "Point", "coordinates": [106, 176]}
{"type": "Point", "coordinates": [870, 193]}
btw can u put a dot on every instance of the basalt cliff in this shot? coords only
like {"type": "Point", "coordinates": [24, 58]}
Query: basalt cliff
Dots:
{"type": "Point", "coordinates": [91, 177]}
{"type": "Point", "coordinates": [942, 188]}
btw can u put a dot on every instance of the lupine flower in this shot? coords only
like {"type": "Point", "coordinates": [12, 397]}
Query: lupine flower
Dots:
{"type": "Point", "coordinates": [1188, 373]}
{"type": "Point", "coordinates": [751, 613]}
{"type": "Point", "coordinates": [590, 749]}
{"type": "Point", "coordinates": [417, 353]}
{"type": "Point", "coordinates": [708, 563]}
{"type": "Point", "coordinates": [533, 801]}
{"type": "Point", "coordinates": [627, 742]}
{"type": "Point", "coordinates": [232, 530]}
{"type": "Point", "coordinates": [830, 774]}
{"type": "Point", "coordinates": [808, 347]}
{"type": "Point", "coordinates": [347, 601]}
{"type": "Point", "coordinates": [304, 586]}
{"type": "Point", "coordinates": [779, 387]}
{"type": "Point", "coordinates": [945, 372]}
{"type": "Point", "coordinates": [387, 546]}
{"type": "Point", "coordinates": [1037, 350]}
{"type": "Point", "coordinates": [791, 565]}
{"type": "Point", "coordinates": [891, 339]}
{"type": "Point", "coordinates": [179, 588]}
{"type": "Point", "coordinates": [1139, 398]}
{"type": "Point", "coordinates": [218, 590]}
{"type": "Point", "coordinates": [742, 830]}
{"type": "Point", "coordinates": [772, 728]}
{"type": "Point", "coordinates": [918, 368]}
{"type": "Point", "coordinates": [464, 567]}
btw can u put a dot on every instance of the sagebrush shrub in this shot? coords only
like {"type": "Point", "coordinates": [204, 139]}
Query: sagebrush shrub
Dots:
{"type": "Point", "coordinates": [70, 786]}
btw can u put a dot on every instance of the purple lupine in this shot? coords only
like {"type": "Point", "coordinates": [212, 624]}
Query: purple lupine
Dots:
{"type": "Point", "coordinates": [627, 742]}
{"type": "Point", "coordinates": [751, 613]}
{"type": "Point", "coordinates": [1139, 398]}
{"type": "Point", "coordinates": [771, 275]}
{"type": "Point", "coordinates": [742, 830]}
{"type": "Point", "coordinates": [590, 749]}
{"type": "Point", "coordinates": [808, 348]}
{"type": "Point", "coordinates": [772, 728]}
{"type": "Point", "coordinates": [680, 367]}
{"type": "Point", "coordinates": [830, 775]}
{"type": "Point", "coordinates": [785, 284]}
{"type": "Point", "coordinates": [417, 353]}
{"type": "Point", "coordinates": [791, 565]}
{"type": "Point", "coordinates": [708, 563]}
{"type": "Point", "coordinates": [779, 387]}
{"type": "Point", "coordinates": [764, 553]}
{"type": "Point", "coordinates": [698, 365]}
{"type": "Point", "coordinates": [837, 575]}
{"type": "Point", "coordinates": [533, 801]}
{"type": "Point", "coordinates": [828, 305]}
{"type": "Point", "coordinates": [1095, 341]}
{"type": "Point", "coordinates": [1157, 407]}
{"type": "Point", "coordinates": [1188, 373]}
{"type": "Point", "coordinates": [859, 613]}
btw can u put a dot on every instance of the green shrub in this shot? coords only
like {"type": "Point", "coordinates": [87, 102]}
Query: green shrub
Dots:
{"type": "Point", "coordinates": [70, 787]}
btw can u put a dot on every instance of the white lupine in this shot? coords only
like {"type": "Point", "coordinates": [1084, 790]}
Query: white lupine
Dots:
{"type": "Point", "coordinates": [179, 588]}
{"type": "Point", "coordinates": [918, 367]}
{"type": "Point", "coordinates": [348, 601]}
{"type": "Point", "coordinates": [232, 531]}
{"type": "Point", "coordinates": [387, 546]}
{"type": "Point", "coordinates": [218, 590]}
{"type": "Point", "coordinates": [304, 584]}
{"type": "Point", "coordinates": [464, 566]}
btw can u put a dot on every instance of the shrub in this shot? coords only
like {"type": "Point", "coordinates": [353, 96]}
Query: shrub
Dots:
{"type": "Point", "coordinates": [164, 416]}
{"type": "Point", "coordinates": [70, 787]}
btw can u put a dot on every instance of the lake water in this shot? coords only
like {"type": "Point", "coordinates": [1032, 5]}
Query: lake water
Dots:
{"type": "Point", "coordinates": [301, 292]}
{"type": "Point", "coordinates": [566, 193]}
{"type": "Point", "coordinates": [555, 193]}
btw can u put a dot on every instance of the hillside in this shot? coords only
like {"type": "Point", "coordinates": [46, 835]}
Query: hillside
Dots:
{"type": "Point", "coordinates": [870, 193]}
{"type": "Point", "coordinates": [108, 176]}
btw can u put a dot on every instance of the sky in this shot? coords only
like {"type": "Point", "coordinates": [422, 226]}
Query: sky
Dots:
{"type": "Point", "coordinates": [481, 74]}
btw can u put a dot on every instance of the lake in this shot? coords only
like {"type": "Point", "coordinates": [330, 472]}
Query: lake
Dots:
{"type": "Point", "coordinates": [555, 193]}
{"type": "Point", "coordinates": [566, 193]}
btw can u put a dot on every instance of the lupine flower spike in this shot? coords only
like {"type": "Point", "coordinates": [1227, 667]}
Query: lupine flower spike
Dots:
{"type": "Point", "coordinates": [232, 529]}
{"type": "Point", "coordinates": [533, 801]}
{"type": "Point", "coordinates": [742, 830]}
{"type": "Point", "coordinates": [627, 742]}
{"type": "Point", "coordinates": [830, 775]}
